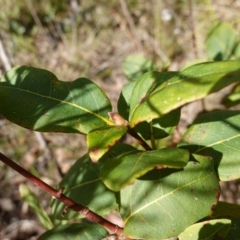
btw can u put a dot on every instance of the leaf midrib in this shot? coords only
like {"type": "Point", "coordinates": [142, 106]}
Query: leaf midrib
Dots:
{"type": "Point", "coordinates": [173, 83]}
{"type": "Point", "coordinates": [166, 195]}
{"type": "Point", "coordinates": [218, 142]}
{"type": "Point", "coordinates": [64, 102]}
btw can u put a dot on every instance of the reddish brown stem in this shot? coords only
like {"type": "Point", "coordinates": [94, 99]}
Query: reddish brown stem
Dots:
{"type": "Point", "coordinates": [139, 139]}
{"type": "Point", "coordinates": [61, 197]}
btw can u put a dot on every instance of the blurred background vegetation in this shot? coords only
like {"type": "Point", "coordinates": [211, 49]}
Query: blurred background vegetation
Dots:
{"type": "Point", "coordinates": [77, 38]}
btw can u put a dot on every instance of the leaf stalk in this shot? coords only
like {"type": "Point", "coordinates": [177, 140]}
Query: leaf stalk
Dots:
{"type": "Point", "coordinates": [139, 139]}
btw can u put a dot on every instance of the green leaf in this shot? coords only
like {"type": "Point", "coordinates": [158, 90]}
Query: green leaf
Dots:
{"type": "Point", "coordinates": [36, 99]}
{"type": "Point", "coordinates": [123, 104]}
{"type": "Point", "coordinates": [225, 209]}
{"type": "Point", "coordinates": [134, 92]}
{"type": "Point", "coordinates": [82, 184]}
{"type": "Point", "coordinates": [117, 151]}
{"type": "Point", "coordinates": [123, 170]}
{"type": "Point", "coordinates": [75, 231]}
{"type": "Point", "coordinates": [159, 128]}
{"type": "Point", "coordinates": [222, 42]}
{"type": "Point", "coordinates": [146, 84]}
{"type": "Point", "coordinates": [232, 212]}
{"type": "Point", "coordinates": [135, 65]}
{"type": "Point", "coordinates": [191, 84]}
{"type": "Point", "coordinates": [217, 135]}
{"type": "Point", "coordinates": [207, 230]}
{"type": "Point", "coordinates": [233, 98]}
{"type": "Point", "coordinates": [32, 200]}
{"type": "Point", "coordinates": [163, 203]}
{"type": "Point", "coordinates": [194, 62]}
{"type": "Point", "coordinates": [100, 140]}
{"type": "Point", "coordinates": [234, 231]}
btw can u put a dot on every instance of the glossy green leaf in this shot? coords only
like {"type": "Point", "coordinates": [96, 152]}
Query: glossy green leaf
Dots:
{"type": "Point", "coordinates": [223, 42]}
{"type": "Point", "coordinates": [217, 135]}
{"type": "Point", "coordinates": [159, 128]}
{"type": "Point", "coordinates": [123, 104]}
{"type": "Point", "coordinates": [146, 84]}
{"type": "Point", "coordinates": [234, 231]}
{"type": "Point", "coordinates": [75, 231]}
{"type": "Point", "coordinates": [194, 62]}
{"type": "Point", "coordinates": [100, 140]}
{"type": "Point", "coordinates": [117, 151]}
{"type": "Point", "coordinates": [163, 203]}
{"type": "Point", "coordinates": [191, 84]}
{"type": "Point", "coordinates": [82, 183]}
{"type": "Point", "coordinates": [124, 170]}
{"type": "Point", "coordinates": [233, 98]}
{"type": "Point", "coordinates": [225, 209]}
{"type": "Point", "coordinates": [232, 212]}
{"type": "Point", "coordinates": [207, 230]}
{"type": "Point", "coordinates": [36, 99]}
{"type": "Point", "coordinates": [32, 200]}
{"type": "Point", "coordinates": [135, 65]}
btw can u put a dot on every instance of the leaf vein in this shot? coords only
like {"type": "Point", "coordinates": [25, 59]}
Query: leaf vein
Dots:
{"type": "Point", "coordinates": [166, 195]}
{"type": "Point", "coordinates": [64, 102]}
{"type": "Point", "coordinates": [218, 142]}
{"type": "Point", "coordinates": [82, 184]}
{"type": "Point", "coordinates": [235, 149]}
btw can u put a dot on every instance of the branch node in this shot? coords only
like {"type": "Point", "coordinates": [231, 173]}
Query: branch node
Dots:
{"type": "Point", "coordinates": [85, 211]}
{"type": "Point", "coordinates": [60, 192]}
{"type": "Point", "coordinates": [116, 229]}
